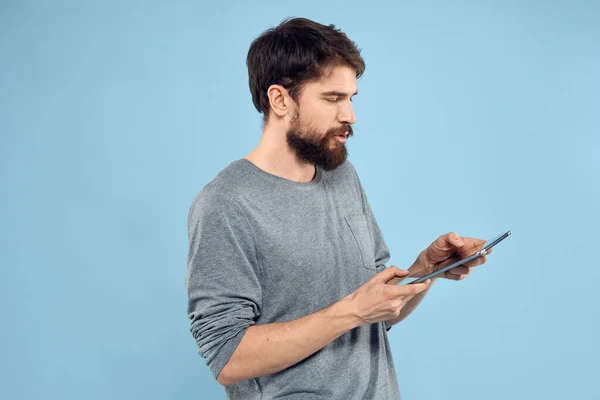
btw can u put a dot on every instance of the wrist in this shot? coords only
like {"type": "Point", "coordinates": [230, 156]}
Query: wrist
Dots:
{"type": "Point", "coordinates": [419, 268]}
{"type": "Point", "coordinates": [343, 313]}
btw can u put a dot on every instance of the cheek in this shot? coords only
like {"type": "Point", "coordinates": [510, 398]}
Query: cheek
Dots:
{"type": "Point", "coordinates": [322, 114]}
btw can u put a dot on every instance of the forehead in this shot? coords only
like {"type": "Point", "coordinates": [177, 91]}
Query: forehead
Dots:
{"type": "Point", "coordinates": [339, 78]}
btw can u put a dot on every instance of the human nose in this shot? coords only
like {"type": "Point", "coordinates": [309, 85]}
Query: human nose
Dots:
{"type": "Point", "coordinates": [346, 115]}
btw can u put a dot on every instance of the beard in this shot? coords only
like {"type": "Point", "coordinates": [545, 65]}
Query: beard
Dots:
{"type": "Point", "coordinates": [314, 147]}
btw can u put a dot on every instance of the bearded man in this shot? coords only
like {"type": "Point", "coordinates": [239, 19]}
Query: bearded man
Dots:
{"type": "Point", "coordinates": [289, 293]}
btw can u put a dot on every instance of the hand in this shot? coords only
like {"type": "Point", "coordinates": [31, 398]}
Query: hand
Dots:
{"type": "Point", "coordinates": [446, 250]}
{"type": "Point", "coordinates": [377, 300]}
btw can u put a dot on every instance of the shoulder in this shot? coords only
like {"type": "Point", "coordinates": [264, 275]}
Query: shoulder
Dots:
{"type": "Point", "coordinates": [222, 191]}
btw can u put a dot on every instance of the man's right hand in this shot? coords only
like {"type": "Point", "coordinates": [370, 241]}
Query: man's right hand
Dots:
{"type": "Point", "coordinates": [377, 300]}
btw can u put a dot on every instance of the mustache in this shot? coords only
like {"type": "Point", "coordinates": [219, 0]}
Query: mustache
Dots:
{"type": "Point", "coordinates": [341, 130]}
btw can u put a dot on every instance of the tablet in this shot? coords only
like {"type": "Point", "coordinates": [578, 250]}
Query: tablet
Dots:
{"type": "Point", "coordinates": [488, 245]}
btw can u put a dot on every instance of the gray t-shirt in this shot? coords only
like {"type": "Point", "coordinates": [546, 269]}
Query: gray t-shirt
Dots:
{"type": "Point", "coordinates": [264, 249]}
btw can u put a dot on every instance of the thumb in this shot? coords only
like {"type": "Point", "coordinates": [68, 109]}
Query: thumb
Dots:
{"type": "Point", "coordinates": [390, 273]}
{"type": "Point", "coordinates": [453, 239]}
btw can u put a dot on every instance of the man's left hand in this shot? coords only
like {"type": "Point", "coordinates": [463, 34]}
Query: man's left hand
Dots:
{"type": "Point", "coordinates": [446, 250]}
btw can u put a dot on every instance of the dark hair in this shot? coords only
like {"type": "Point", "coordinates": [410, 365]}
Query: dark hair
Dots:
{"type": "Point", "coordinates": [296, 52]}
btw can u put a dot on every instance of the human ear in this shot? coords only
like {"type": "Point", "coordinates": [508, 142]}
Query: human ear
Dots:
{"type": "Point", "coordinates": [279, 100]}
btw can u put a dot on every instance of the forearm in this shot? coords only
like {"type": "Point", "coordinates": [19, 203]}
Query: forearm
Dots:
{"type": "Point", "coordinates": [270, 348]}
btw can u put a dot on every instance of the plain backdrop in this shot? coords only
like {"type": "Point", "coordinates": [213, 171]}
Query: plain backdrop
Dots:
{"type": "Point", "coordinates": [474, 117]}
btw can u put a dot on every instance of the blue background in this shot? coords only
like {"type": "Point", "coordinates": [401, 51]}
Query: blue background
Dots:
{"type": "Point", "coordinates": [475, 117]}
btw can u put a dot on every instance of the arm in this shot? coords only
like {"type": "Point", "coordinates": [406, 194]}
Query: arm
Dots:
{"type": "Point", "coordinates": [270, 348]}
{"type": "Point", "coordinates": [266, 349]}
{"type": "Point", "coordinates": [225, 300]}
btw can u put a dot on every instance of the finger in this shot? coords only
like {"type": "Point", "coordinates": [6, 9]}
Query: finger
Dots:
{"type": "Point", "coordinates": [395, 280]}
{"type": "Point", "coordinates": [411, 290]}
{"type": "Point", "coordinates": [455, 277]}
{"type": "Point", "coordinates": [474, 263]}
{"type": "Point", "coordinates": [443, 247]}
{"type": "Point", "coordinates": [471, 245]}
{"type": "Point", "coordinates": [462, 270]}
{"type": "Point", "coordinates": [448, 242]}
{"type": "Point", "coordinates": [453, 239]}
{"type": "Point", "coordinates": [389, 273]}
{"type": "Point", "coordinates": [406, 299]}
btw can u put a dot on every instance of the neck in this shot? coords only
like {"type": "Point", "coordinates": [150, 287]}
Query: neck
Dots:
{"type": "Point", "coordinates": [274, 156]}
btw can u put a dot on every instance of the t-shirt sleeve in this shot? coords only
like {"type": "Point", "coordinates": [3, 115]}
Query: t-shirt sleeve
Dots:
{"type": "Point", "coordinates": [224, 292]}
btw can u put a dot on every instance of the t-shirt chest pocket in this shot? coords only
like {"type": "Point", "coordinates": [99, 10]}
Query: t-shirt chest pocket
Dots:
{"type": "Point", "coordinates": [361, 239]}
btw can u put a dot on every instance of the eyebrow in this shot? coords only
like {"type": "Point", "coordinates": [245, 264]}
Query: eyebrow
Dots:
{"type": "Point", "coordinates": [336, 93]}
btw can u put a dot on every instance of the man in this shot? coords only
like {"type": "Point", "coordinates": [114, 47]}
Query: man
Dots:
{"type": "Point", "coordinates": [289, 295]}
